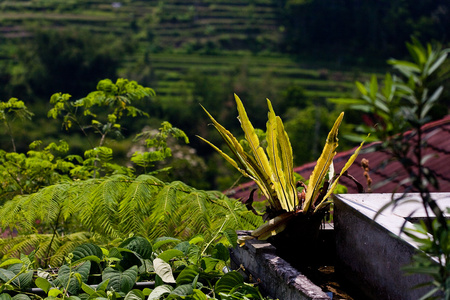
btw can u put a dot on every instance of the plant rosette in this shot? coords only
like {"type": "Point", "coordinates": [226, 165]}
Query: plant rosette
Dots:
{"type": "Point", "coordinates": [297, 213]}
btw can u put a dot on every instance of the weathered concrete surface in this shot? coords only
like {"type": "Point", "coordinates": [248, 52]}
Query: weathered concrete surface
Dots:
{"type": "Point", "coordinates": [370, 253]}
{"type": "Point", "coordinates": [277, 278]}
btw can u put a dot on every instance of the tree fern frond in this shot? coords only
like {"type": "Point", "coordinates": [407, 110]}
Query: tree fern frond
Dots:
{"type": "Point", "coordinates": [12, 211]}
{"type": "Point", "coordinates": [51, 200]}
{"type": "Point", "coordinates": [196, 213]}
{"type": "Point", "coordinates": [137, 203]}
{"type": "Point", "coordinates": [99, 214]}
{"type": "Point", "coordinates": [238, 217]}
{"type": "Point", "coordinates": [162, 218]}
{"type": "Point", "coordinates": [12, 247]}
{"type": "Point", "coordinates": [80, 200]}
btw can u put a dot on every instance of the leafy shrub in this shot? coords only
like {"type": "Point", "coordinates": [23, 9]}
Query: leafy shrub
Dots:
{"type": "Point", "coordinates": [194, 269]}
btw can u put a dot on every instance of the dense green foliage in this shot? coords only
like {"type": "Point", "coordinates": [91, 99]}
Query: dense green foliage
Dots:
{"type": "Point", "coordinates": [194, 269]}
{"type": "Point", "coordinates": [404, 103]}
{"type": "Point", "coordinates": [295, 52]}
{"type": "Point", "coordinates": [56, 199]}
{"type": "Point", "coordinates": [105, 209]}
{"type": "Point", "coordinates": [202, 52]}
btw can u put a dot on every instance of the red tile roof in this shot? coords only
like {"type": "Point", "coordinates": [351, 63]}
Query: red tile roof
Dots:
{"type": "Point", "coordinates": [387, 176]}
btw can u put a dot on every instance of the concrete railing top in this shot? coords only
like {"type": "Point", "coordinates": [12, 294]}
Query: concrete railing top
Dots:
{"type": "Point", "coordinates": [394, 217]}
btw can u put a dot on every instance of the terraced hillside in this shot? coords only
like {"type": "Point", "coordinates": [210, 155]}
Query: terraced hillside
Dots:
{"type": "Point", "coordinates": [170, 70]}
{"type": "Point", "coordinates": [215, 37]}
{"type": "Point", "coordinates": [169, 23]}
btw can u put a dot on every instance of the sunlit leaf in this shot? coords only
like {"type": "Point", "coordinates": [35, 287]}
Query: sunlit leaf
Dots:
{"type": "Point", "coordinates": [163, 270]}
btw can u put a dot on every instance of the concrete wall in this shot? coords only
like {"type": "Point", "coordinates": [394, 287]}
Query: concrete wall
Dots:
{"type": "Point", "coordinates": [370, 253]}
{"type": "Point", "coordinates": [275, 276]}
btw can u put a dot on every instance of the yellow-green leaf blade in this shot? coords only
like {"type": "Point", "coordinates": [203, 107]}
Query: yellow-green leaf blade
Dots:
{"type": "Point", "coordinates": [323, 164]}
{"type": "Point", "coordinates": [344, 169]}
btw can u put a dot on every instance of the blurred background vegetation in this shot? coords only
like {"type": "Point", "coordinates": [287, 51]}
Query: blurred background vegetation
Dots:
{"type": "Point", "coordinates": [297, 53]}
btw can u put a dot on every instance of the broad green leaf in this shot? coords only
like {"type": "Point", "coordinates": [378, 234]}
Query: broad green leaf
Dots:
{"type": "Point", "coordinates": [24, 280]}
{"type": "Point", "coordinates": [164, 270]}
{"type": "Point", "coordinates": [21, 297]}
{"type": "Point", "coordinates": [87, 289]}
{"type": "Point", "coordinates": [103, 285]}
{"type": "Point", "coordinates": [221, 252]}
{"type": "Point", "coordinates": [6, 275]}
{"type": "Point", "coordinates": [66, 278]}
{"type": "Point", "coordinates": [87, 250]}
{"type": "Point", "coordinates": [4, 296]}
{"type": "Point", "coordinates": [10, 261]}
{"type": "Point", "coordinates": [198, 295]}
{"type": "Point", "coordinates": [54, 292]}
{"type": "Point", "coordinates": [146, 291]}
{"type": "Point", "coordinates": [146, 267]}
{"type": "Point", "coordinates": [169, 254]}
{"type": "Point", "coordinates": [86, 258]}
{"type": "Point", "coordinates": [183, 290]}
{"type": "Point", "coordinates": [134, 295]}
{"type": "Point", "coordinates": [120, 281]}
{"type": "Point", "coordinates": [160, 291]}
{"type": "Point", "coordinates": [437, 63]}
{"type": "Point", "coordinates": [139, 245]}
{"type": "Point", "coordinates": [115, 253]}
{"type": "Point", "coordinates": [228, 282]}
{"type": "Point", "coordinates": [208, 264]}
{"type": "Point", "coordinates": [196, 240]}
{"type": "Point", "coordinates": [183, 246]}
{"type": "Point", "coordinates": [373, 87]}
{"type": "Point", "coordinates": [187, 275]}
{"type": "Point", "coordinates": [193, 253]}
{"type": "Point", "coordinates": [43, 284]}
{"type": "Point", "coordinates": [362, 89]}
{"type": "Point", "coordinates": [346, 101]}
{"type": "Point", "coordinates": [164, 240]}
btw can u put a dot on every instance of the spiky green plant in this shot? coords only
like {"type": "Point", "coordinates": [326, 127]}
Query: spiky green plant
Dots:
{"type": "Point", "coordinates": [272, 169]}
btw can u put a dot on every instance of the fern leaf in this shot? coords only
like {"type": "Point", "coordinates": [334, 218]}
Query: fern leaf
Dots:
{"type": "Point", "coordinates": [136, 204]}
{"type": "Point", "coordinates": [196, 214]}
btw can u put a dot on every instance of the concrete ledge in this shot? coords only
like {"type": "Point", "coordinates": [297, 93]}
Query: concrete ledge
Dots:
{"type": "Point", "coordinates": [277, 278]}
{"type": "Point", "coordinates": [370, 253]}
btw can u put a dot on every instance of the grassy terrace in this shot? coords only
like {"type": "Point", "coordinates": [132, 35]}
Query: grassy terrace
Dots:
{"type": "Point", "coordinates": [174, 25]}
{"type": "Point", "coordinates": [170, 71]}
